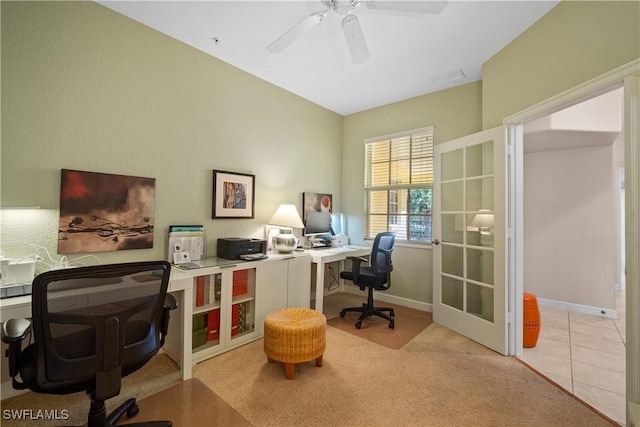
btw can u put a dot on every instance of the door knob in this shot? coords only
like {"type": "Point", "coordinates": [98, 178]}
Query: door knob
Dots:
{"type": "Point", "coordinates": [435, 242]}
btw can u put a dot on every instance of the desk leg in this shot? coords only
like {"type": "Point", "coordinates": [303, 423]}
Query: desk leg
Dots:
{"type": "Point", "coordinates": [178, 342]}
{"type": "Point", "coordinates": [319, 286]}
{"type": "Point", "coordinates": [340, 279]}
{"type": "Point", "coordinates": [187, 321]}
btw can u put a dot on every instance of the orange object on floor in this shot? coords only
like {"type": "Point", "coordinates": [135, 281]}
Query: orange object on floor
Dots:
{"type": "Point", "coordinates": [531, 320]}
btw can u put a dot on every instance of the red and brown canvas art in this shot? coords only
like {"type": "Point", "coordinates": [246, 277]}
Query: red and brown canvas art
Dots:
{"type": "Point", "coordinates": [102, 212]}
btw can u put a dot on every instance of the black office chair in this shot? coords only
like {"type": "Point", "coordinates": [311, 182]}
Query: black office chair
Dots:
{"type": "Point", "coordinates": [91, 326]}
{"type": "Point", "coordinates": [376, 277]}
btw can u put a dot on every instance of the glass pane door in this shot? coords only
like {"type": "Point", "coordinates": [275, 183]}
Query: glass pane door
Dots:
{"type": "Point", "coordinates": [467, 229]}
{"type": "Point", "coordinates": [469, 291]}
{"type": "Point", "coordinates": [206, 312]}
{"type": "Point", "coordinates": [243, 307]}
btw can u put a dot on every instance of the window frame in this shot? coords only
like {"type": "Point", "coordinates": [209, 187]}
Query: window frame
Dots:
{"type": "Point", "coordinates": [396, 188]}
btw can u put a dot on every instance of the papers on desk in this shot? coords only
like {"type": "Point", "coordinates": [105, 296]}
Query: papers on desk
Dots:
{"type": "Point", "coordinates": [339, 249]}
{"type": "Point", "coordinates": [187, 243]}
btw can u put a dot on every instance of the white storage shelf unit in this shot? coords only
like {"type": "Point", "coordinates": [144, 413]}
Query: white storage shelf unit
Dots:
{"type": "Point", "coordinates": [228, 300]}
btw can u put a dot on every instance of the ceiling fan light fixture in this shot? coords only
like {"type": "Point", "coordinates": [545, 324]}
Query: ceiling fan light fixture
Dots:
{"type": "Point", "coordinates": [350, 24]}
{"type": "Point", "coordinates": [343, 7]}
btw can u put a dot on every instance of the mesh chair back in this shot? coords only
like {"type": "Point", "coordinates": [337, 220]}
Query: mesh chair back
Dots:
{"type": "Point", "coordinates": [98, 320]}
{"type": "Point", "coordinates": [381, 253]}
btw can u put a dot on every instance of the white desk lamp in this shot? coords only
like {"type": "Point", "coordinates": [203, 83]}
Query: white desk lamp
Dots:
{"type": "Point", "coordinates": [484, 221]}
{"type": "Point", "coordinates": [287, 218]}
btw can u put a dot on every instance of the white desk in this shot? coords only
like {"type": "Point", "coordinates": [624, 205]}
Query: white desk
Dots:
{"type": "Point", "coordinates": [180, 284]}
{"type": "Point", "coordinates": [321, 257]}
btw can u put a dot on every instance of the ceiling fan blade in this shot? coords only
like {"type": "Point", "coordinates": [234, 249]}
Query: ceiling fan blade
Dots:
{"type": "Point", "coordinates": [423, 6]}
{"type": "Point", "coordinates": [355, 39]}
{"type": "Point", "coordinates": [296, 32]}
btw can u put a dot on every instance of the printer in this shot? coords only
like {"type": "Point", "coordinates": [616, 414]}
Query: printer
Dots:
{"type": "Point", "coordinates": [235, 247]}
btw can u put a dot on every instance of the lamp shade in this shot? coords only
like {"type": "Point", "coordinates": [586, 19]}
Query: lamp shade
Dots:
{"type": "Point", "coordinates": [287, 216]}
{"type": "Point", "coordinates": [484, 218]}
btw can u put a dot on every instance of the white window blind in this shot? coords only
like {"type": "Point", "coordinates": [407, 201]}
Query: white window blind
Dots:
{"type": "Point", "coordinates": [398, 185]}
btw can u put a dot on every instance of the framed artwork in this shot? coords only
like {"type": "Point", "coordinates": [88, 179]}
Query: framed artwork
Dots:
{"type": "Point", "coordinates": [317, 202]}
{"type": "Point", "coordinates": [233, 195]}
{"type": "Point", "coordinates": [102, 212]}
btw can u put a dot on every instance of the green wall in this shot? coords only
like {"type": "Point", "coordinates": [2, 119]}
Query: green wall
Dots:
{"type": "Point", "coordinates": [86, 88]}
{"type": "Point", "coordinates": [574, 42]}
{"type": "Point", "coordinates": [453, 113]}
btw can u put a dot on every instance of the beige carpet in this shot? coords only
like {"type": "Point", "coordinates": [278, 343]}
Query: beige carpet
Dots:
{"type": "Point", "coordinates": [408, 324]}
{"type": "Point", "coordinates": [438, 379]}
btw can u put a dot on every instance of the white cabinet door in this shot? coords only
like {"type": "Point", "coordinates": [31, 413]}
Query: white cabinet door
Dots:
{"type": "Point", "coordinates": [271, 289]}
{"type": "Point", "coordinates": [299, 279]}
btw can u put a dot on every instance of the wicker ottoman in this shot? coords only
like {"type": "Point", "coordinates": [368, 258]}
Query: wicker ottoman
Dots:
{"type": "Point", "coordinates": [294, 335]}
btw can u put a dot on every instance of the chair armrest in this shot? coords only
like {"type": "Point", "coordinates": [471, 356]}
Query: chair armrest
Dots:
{"type": "Point", "coordinates": [170, 302]}
{"type": "Point", "coordinates": [387, 257]}
{"type": "Point", "coordinates": [355, 269]}
{"type": "Point", "coordinates": [15, 330]}
{"type": "Point", "coordinates": [387, 261]}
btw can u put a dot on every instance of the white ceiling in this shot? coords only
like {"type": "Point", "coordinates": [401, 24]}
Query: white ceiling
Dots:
{"type": "Point", "coordinates": [408, 51]}
{"type": "Point", "coordinates": [596, 121]}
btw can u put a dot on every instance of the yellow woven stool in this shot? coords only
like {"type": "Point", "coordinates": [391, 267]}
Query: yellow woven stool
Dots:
{"type": "Point", "coordinates": [294, 335]}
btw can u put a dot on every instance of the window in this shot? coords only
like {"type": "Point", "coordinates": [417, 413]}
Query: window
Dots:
{"type": "Point", "coordinates": [398, 185]}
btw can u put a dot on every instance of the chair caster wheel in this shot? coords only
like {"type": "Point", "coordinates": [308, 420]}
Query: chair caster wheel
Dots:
{"type": "Point", "coordinates": [133, 411]}
{"type": "Point", "coordinates": [358, 324]}
{"type": "Point", "coordinates": [342, 313]}
{"type": "Point", "coordinates": [392, 325]}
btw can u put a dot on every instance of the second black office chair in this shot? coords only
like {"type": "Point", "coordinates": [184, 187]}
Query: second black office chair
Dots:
{"type": "Point", "coordinates": [376, 276]}
{"type": "Point", "coordinates": [92, 326]}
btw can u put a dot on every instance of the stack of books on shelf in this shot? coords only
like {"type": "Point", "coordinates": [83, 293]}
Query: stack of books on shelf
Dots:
{"type": "Point", "coordinates": [206, 327]}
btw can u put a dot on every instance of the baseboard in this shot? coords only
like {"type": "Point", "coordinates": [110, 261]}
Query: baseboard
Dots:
{"type": "Point", "coordinates": [393, 299]}
{"type": "Point", "coordinates": [578, 308]}
{"type": "Point", "coordinates": [634, 414]}
{"type": "Point", "coordinates": [543, 302]}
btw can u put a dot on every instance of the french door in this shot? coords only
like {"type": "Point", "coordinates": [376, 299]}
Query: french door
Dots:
{"type": "Point", "coordinates": [469, 237]}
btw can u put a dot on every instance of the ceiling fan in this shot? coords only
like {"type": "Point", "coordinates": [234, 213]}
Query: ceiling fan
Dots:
{"type": "Point", "coordinates": [350, 24]}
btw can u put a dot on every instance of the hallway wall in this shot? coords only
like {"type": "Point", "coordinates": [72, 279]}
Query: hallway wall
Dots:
{"type": "Point", "coordinates": [570, 224]}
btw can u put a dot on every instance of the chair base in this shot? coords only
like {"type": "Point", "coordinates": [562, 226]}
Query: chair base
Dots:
{"type": "Point", "coordinates": [368, 309]}
{"type": "Point", "coordinates": [98, 415]}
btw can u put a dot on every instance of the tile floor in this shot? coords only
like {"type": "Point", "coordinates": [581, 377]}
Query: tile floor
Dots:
{"type": "Point", "coordinates": [585, 355]}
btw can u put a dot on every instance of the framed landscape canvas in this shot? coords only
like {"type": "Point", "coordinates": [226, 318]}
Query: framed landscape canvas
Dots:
{"type": "Point", "coordinates": [102, 212]}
